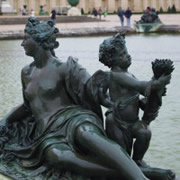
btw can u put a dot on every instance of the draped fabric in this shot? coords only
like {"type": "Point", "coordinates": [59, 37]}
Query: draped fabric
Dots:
{"type": "Point", "coordinates": [29, 148]}
{"type": "Point", "coordinates": [82, 87]}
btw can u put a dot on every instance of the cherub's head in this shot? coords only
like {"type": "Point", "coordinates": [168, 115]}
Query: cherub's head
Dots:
{"type": "Point", "coordinates": [113, 52]}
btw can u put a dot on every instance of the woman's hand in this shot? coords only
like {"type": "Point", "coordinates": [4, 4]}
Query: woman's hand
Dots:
{"type": "Point", "coordinates": [3, 135]}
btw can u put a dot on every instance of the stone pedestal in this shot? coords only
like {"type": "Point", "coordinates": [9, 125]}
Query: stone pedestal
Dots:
{"type": "Point", "coordinates": [74, 11]}
{"type": "Point", "coordinates": [6, 8]}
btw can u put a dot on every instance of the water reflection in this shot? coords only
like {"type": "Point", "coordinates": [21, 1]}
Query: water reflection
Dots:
{"type": "Point", "coordinates": [165, 145]}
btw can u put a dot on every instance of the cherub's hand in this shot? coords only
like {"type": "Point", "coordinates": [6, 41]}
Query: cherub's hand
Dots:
{"type": "Point", "coordinates": [165, 79]}
{"type": "Point", "coordinates": [161, 82]}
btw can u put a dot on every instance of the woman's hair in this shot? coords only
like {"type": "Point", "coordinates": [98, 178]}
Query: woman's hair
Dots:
{"type": "Point", "coordinates": [109, 47]}
{"type": "Point", "coordinates": [42, 32]}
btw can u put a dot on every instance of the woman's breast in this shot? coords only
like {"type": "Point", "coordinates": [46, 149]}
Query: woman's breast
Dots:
{"type": "Point", "coordinates": [46, 96]}
{"type": "Point", "coordinates": [44, 88]}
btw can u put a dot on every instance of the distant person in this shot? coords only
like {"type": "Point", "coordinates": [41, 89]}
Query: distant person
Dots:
{"type": "Point", "coordinates": [148, 10]}
{"type": "Point", "coordinates": [105, 14]}
{"type": "Point", "coordinates": [121, 15]}
{"type": "Point", "coordinates": [128, 15]}
{"type": "Point", "coordinates": [154, 14]}
{"type": "Point", "coordinates": [53, 16]}
{"type": "Point", "coordinates": [32, 13]}
{"type": "Point", "coordinates": [94, 12]}
{"type": "Point", "coordinates": [100, 12]}
{"type": "Point", "coordinates": [24, 12]}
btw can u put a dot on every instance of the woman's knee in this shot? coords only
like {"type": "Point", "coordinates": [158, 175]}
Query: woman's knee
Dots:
{"type": "Point", "coordinates": [84, 130]}
{"type": "Point", "coordinates": [85, 136]}
{"type": "Point", "coordinates": [58, 158]}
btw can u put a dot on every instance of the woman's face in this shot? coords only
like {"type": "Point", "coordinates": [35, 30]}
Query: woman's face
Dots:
{"type": "Point", "coordinates": [30, 45]}
{"type": "Point", "coordinates": [122, 58]}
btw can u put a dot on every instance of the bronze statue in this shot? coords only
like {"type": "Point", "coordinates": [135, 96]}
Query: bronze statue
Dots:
{"type": "Point", "coordinates": [58, 128]}
{"type": "Point", "coordinates": [150, 16]}
{"type": "Point", "coordinates": [149, 21]}
{"type": "Point", "coordinates": [122, 118]}
{"type": "Point", "coordinates": [57, 132]}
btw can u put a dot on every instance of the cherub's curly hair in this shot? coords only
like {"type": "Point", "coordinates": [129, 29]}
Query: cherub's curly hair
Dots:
{"type": "Point", "coordinates": [42, 32]}
{"type": "Point", "coordinates": [109, 47]}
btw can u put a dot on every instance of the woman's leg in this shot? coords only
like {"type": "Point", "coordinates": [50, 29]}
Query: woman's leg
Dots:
{"type": "Point", "coordinates": [110, 154]}
{"type": "Point", "coordinates": [59, 156]}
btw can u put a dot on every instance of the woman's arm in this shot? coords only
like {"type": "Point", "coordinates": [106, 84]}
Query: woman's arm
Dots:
{"type": "Point", "coordinates": [20, 112]}
{"type": "Point", "coordinates": [16, 114]}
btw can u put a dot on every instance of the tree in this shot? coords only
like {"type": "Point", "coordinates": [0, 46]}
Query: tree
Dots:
{"type": "Point", "coordinates": [161, 10]}
{"type": "Point", "coordinates": [82, 11]}
{"type": "Point", "coordinates": [173, 9]}
{"type": "Point", "coordinates": [73, 2]}
{"type": "Point", "coordinates": [169, 10]}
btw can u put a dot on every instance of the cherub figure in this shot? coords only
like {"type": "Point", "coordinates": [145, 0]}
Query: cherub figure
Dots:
{"type": "Point", "coordinates": [122, 119]}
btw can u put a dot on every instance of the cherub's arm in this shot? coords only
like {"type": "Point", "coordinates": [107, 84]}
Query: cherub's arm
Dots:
{"type": "Point", "coordinates": [142, 103]}
{"type": "Point", "coordinates": [104, 98]}
{"type": "Point", "coordinates": [144, 87]}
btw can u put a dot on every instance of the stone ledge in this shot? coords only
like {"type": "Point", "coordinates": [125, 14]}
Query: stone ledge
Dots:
{"type": "Point", "coordinates": [70, 32]}
{"type": "Point", "coordinates": [7, 20]}
{"type": "Point", "coordinates": [169, 28]}
{"type": "Point", "coordinates": [19, 34]}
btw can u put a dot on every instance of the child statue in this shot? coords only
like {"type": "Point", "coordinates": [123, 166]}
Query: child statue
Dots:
{"type": "Point", "coordinates": [122, 118]}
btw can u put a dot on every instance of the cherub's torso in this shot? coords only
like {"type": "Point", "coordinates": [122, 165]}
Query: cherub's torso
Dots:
{"type": "Point", "coordinates": [126, 97]}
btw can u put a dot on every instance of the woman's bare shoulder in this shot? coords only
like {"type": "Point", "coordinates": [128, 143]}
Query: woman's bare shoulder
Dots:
{"type": "Point", "coordinates": [27, 69]}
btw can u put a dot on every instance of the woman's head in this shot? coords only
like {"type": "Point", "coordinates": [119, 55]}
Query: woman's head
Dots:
{"type": "Point", "coordinates": [112, 49]}
{"type": "Point", "coordinates": [42, 32]}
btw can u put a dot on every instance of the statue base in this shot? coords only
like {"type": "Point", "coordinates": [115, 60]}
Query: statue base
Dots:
{"type": "Point", "coordinates": [147, 27]}
{"type": "Point", "coordinates": [74, 11]}
{"type": "Point", "coordinates": [11, 170]}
